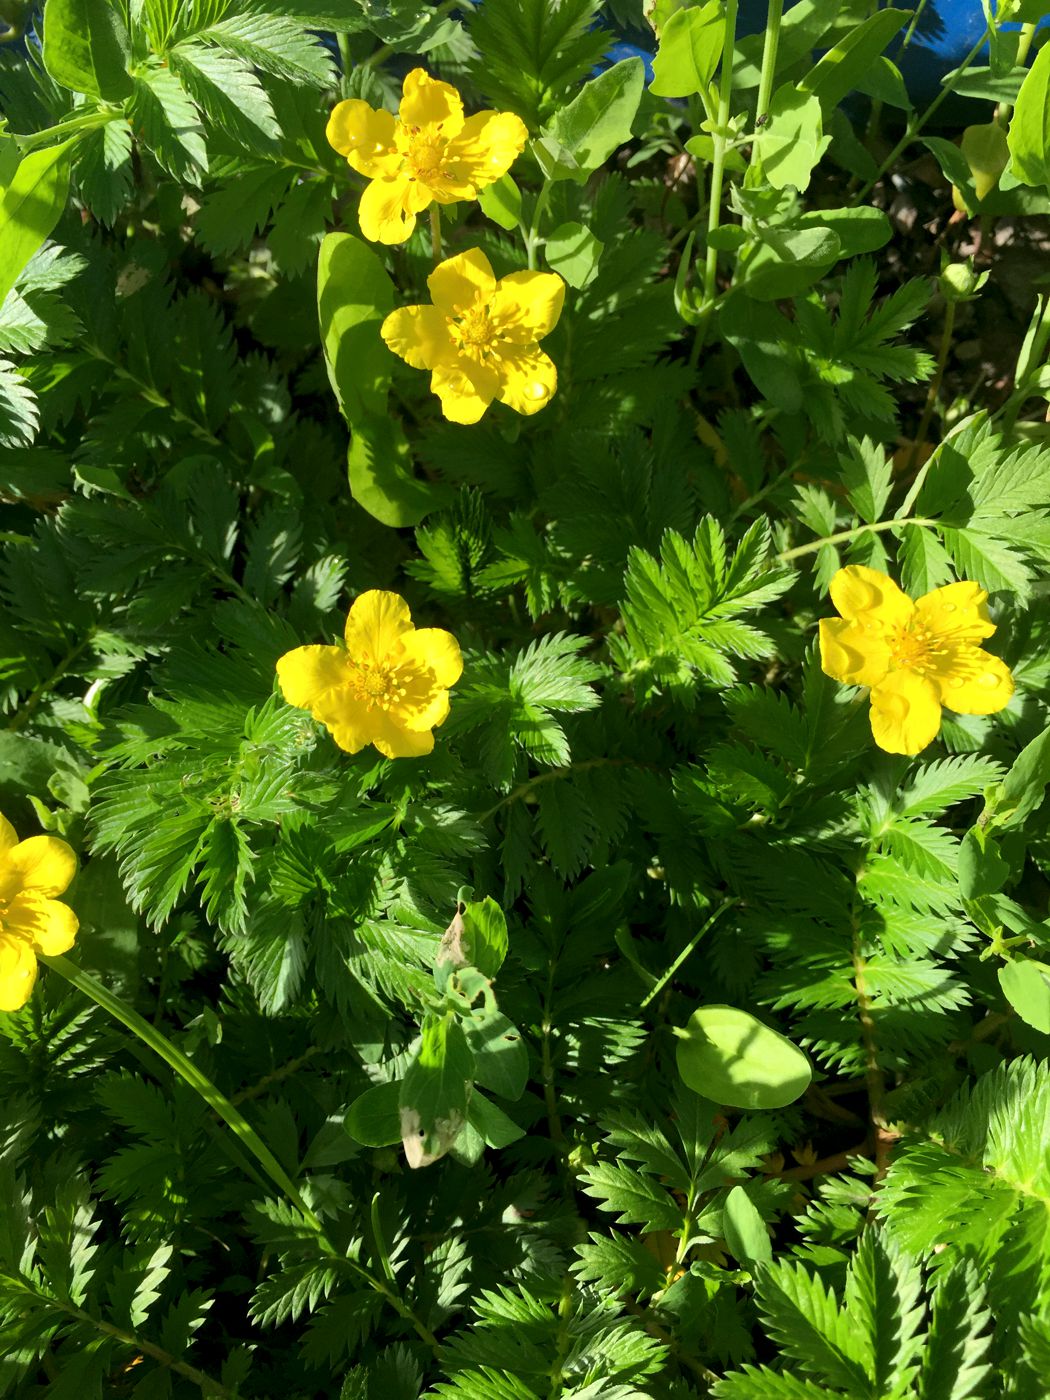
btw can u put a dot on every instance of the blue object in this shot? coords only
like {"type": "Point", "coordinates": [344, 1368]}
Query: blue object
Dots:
{"type": "Point", "coordinates": [621, 50]}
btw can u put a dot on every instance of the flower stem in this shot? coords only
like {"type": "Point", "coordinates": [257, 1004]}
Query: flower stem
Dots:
{"type": "Point", "coordinates": [662, 982]}
{"type": "Point", "coordinates": [718, 165]}
{"type": "Point", "coordinates": [435, 232]}
{"type": "Point", "coordinates": [769, 68]}
{"type": "Point", "coordinates": [843, 535]}
{"type": "Point", "coordinates": [532, 233]}
{"type": "Point", "coordinates": [916, 124]}
{"type": "Point", "coordinates": [930, 404]}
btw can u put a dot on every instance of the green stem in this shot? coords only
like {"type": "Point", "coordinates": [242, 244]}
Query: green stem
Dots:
{"type": "Point", "coordinates": [930, 404]}
{"type": "Point", "coordinates": [1004, 109]}
{"type": "Point", "coordinates": [686, 952]}
{"type": "Point", "coordinates": [532, 233]}
{"type": "Point", "coordinates": [435, 232]}
{"type": "Point", "coordinates": [221, 1105]}
{"type": "Point", "coordinates": [188, 1071]}
{"type": "Point", "coordinates": [767, 75]}
{"type": "Point", "coordinates": [916, 124]}
{"type": "Point", "coordinates": [76, 126]}
{"type": "Point", "coordinates": [25, 712]}
{"type": "Point", "coordinates": [725, 93]}
{"type": "Point", "coordinates": [843, 535]}
{"type": "Point", "coordinates": [346, 60]}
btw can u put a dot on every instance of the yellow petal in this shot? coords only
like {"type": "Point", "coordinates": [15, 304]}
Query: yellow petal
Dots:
{"type": "Point", "coordinates": [434, 106]}
{"type": "Point", "coordinates": [43, 863]}
{"type": "Point", "coordinates": [374, 627]}
{"type": "Point", "coordinates": [8, 836]}
{"type": "Point", "coordinates": [382, 211]}
{"type": "Point", "coordinates": [528, 378]}
{"type": "Point", "coordinates": [419, 334]}
{"type": "Point", "coordinates": [17, 972]}
{"type": "Point", "coordinates": [365, 136]}
{"type": "Point", "coordinates": [462, 282]}
{"type": "Point", "coordinates": [526, 305]}
{"type": "Point", "coordinates": [851, 655]}
{"type": "Point", "coordinates": [49, 925]}
{"type": "Point", "coordinates": [307, 674]}
{"type": "Point", "coordinates": [393, 740]}
{"type": "Point", "coordinates": [870, 596]}
{"type": "Point", "coordinates": [465, 389]}
{"type": "Point", "coordinates": [905, 712]}
{"type": "Point", "coordinates": [487, 146]}
{"type": "Point", "coordinates": [437, 651]}
{"type": "Point", "coordinates": [427, 716]}
{"type": "Point", "coordinates": [958, 611]}
{"type": "Point", "coordinates": [973, 682]}
{"type": "Point", "coordinates": [351, 723]}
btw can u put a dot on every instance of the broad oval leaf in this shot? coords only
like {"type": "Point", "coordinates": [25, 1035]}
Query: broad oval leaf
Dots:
{"type": "Point", "coordinates": [732, 1058]}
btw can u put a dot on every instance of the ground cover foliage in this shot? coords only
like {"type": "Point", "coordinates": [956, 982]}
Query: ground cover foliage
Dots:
{"type": "Point", "coordinates": [649, 798]}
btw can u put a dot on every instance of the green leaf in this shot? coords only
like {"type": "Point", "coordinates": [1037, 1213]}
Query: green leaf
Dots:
{"type": "Point", "coordinates": [485, 935]}
{"type": "Point", "coordinates": [501, 202]}
{"type": "Point", "coordinates": [354, 295]}
{"type": "Point", "coordinates": [30, 208]}
{"type": "Point", "coordinates": [745, 1230]}
{"type": "Point", "coordinates": [573, 252]}
{"type": "Point", "coordinates": [792, 142]}
{"type": "Point", "coordinates": [732, 1058]}
{"type": "Point", "coordinates": [585, 132]}
{"type": "Point", "coordinates": [435, 1090]}
{"type": "Point", "coordinates": [86, 48]}
{"type": "Point", "coordinates": [501, 1062]}
{"type": "Point", "coordinates": [839, 70]}
{"type": "Point", "coordinates": [1029, 134]}
{"type": "Point", "coordinates": [1023, 787]}
{"type": "Point", "coordinates": [634, 1197]}
{"type": "Point", "coordinates": [374, 1117]}
{"type": "Point", "coordinates": [496, 1127]}
{"type": "Point", "coordinates": [276, 44]}
{"type": "Point", "coordinates": [1026, 986]}
{"type": "Point", "coordinates": [689, 52]}
{"type": "Point", "coordinates": [227, 91]}
{"type": "Point", "coordinates": [166, 121]}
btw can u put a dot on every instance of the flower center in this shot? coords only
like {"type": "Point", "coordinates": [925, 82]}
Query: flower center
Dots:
{"type": "Point", "coordinates": [377, 687]}
{"type": "Point", "coordinates": [424, 155]}
{"type": "Point", "coordinates": [913, 648]}
{"type": "Point", "coordinates": [474, 328]}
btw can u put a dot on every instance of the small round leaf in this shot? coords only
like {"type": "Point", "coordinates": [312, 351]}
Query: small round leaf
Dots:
{"type": "Point", "coordinates": [732, 1058]}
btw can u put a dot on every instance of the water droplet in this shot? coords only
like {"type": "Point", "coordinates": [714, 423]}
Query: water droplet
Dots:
{"type": "Point", "coordinates": [872, 627]}
{"type": "Point", "coordinates": [949, 607]}
{"type": "Point", "coordinates": [537, 390]}
{"type": "Point", "coordinates": [989, 679]}
{"type": "Point", "coordinates": [956, 682]}
{"type": "Point", "coordinates": [378, 147]}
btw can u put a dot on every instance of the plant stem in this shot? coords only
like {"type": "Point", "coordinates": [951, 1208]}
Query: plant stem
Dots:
{"type": "Point", "coordinates": [876, 1080]}
{"type": "Point", "coordinates": [75, 127]}
{"type": "Point", "coordinates": [931, 401]}
{"type": "Point", "coordinates": [234, 1119]}
{"type": "Point", "coordinates": [435, 232]}
{"type": "Point", "coordinates": [532, 233]}
{"type": "Point", "coordinates": [1004, 109]}
{"type": "Point", "coordinates": [916, 124]}
{"type": "Point", "coordinates": [843, 535]}
{"type": "Point", "coordinates": [346, 61]}
{"type": "Point", "coordinates": [24, 712]}
{"type": "Point", "coordinates": [659, 985]}
{"type": "Point", "coordinates": [767, 75]}
{"type": "Point", "coordinates": [183, 1066]}
{"type": "Point", "coordinates": [725, 93]}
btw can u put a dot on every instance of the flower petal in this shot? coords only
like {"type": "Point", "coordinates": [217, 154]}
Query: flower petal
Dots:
{"type": "Point", "coordinates": [461, 282]}
{"type": "Point", "coordinates": [48, 924]}
{"type": "Point", "coordinates": [8, 835]}
{"type": "Point", "coordinates": [382, 211]}
{"type": "Point", "coordinates": [973, 682]}
{"type": "Point", "coordinates": [419, 334]}
{"type": "Point", "coordinates": [374, 627]}
{"type": "Point", "coordinates": [905, 712]}
{"type": "Point", "coordinates": [309, 676]}
{"type": "Point", "coordinates": [437, 651]}
{"type": "Point", "coordinates": [465, 388]}
{"type": "Point", "coordinates": [393, 740]}
{"type": "Point", "coordinates": [864, 594]}
{"type": "Point", "coordinates": [365, 136]}
{"type": "Point", "coordinates": [351, 722]}
{"type": "Point", "coordinates": [526, 305]}
{"type": "Point", "coordinates": [958, 611]}
{"type": "Point", "coordinates": [851, 655]}
{"type": "Point", "coordinates": [430, 104]}
{"type": "Point", "coordinates": [17, 972]}
{"type": "Point", "coordinates": [528, 378]}
{"type": "Point", "coordinates": [487, 146]}
{"type": "Point", "coordinates": [42, 863]}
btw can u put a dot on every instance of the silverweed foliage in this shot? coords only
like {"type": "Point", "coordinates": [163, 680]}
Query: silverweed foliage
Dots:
{"type": "Point", "coordinates": [534, 643]}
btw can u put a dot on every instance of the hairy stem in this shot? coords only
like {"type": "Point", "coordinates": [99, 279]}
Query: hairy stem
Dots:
{"type": "Point", "coordinates": [435, 233]}
{"type": "Point", "coordinates": [687, 951]}
{"type": "Point", "coordinates": [931, 402]}
{"type": "Point", "coordinates": [718, 165]}
{"type": "Point", "coordinates": [769, 68]}
{"type": "Point", "coordinates": [843, 536]}
{"type": "Point", "coordinates": [874, 1077]}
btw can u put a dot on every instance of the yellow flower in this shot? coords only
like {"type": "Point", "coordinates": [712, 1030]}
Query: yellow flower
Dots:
{"type": "Point", "coordinates": [32, 921]}
{"type": "Point", "coordinates": [428, 152]}
{"type": "Point", "coordinates": [387, 687]}
{"type": "Point", "coordinates": [915, 656]}
{"type": "Point", "coordinates": [480, 337]}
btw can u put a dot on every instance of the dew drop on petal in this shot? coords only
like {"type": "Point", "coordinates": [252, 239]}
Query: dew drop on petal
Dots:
{"type": "Point", "coordinates": [989, 679]}
{"type": "Point", "coordinates": [957, 682]}
{"type": "Point", "coordinates": [537, 390]}
{"type": "Point", "coordinates": [949, 607]}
